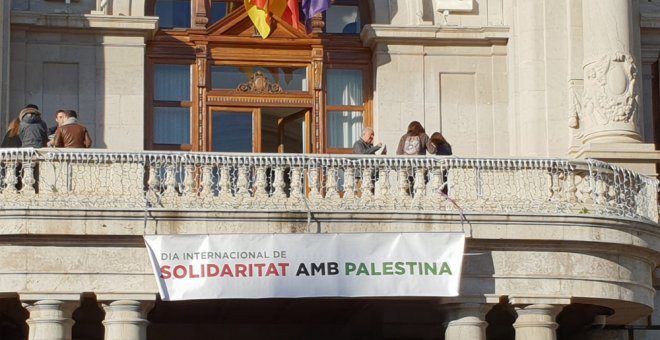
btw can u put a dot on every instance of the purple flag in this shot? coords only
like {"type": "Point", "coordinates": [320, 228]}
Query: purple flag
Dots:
{"type": "Point", "coordinates": [312, 7]}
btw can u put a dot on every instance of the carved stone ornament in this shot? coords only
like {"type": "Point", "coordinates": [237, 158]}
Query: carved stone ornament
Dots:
{"type": "Point", "coordinates": [610, 91]}
{"type": "Point", "coordinates": [259, 83]}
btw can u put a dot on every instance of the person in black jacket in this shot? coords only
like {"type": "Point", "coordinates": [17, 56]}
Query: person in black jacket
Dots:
{"type": "Point", "coordinates": [33, 130]}
{"type": "Point", "coordinates": [442, 147]}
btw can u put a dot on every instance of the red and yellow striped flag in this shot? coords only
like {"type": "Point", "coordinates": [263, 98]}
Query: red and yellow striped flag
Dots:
{"type": "Point", "coordinates": [261, 12]}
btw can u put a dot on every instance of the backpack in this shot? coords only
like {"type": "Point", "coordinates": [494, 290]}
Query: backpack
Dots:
{"type": "Point", "coordinates": [412, 145]}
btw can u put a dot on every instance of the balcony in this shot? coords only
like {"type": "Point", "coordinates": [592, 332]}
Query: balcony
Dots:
{"type": "Point", "coordinates": [211, 182]}
{"type": "Point", "coordinates": [552, 231]}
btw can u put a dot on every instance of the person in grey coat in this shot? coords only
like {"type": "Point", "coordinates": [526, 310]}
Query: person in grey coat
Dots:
{"type": "Point", "coordinates": [33, 131]}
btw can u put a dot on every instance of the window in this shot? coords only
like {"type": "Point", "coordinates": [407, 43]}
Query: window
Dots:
{"type": "Point", "coordinates": [232, 131]}
{"type": "Point", "coordinates": [345, 106]}
{"type": "Point", "coordinates": [172, 104]}
{"type": "Point", "coordinates": [343, 17]}
{"type": "Point", "coordinates": [173, 13]}
{"type": "Point", "coordinates": [221, 8]}
{"type": "Point", "coordinates": [229, 77]}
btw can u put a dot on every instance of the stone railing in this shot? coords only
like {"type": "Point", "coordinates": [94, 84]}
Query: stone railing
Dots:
{"type": "Point", "coordinates": [82, 179]}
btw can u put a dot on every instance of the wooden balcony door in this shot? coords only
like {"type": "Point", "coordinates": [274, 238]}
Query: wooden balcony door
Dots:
{"type": "Point", "coordinates": [259, 129]}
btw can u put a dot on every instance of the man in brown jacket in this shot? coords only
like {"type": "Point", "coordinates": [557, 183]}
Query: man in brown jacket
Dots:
{"type": "Point", "coordinates": [70, 134]}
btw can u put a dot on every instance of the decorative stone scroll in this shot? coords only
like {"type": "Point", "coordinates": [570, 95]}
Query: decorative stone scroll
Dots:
{"type": "Point", "coordinates": [259, 83]}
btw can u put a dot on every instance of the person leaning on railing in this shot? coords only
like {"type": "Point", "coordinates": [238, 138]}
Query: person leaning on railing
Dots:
{"type": "Point", "coordinates": [70, 134]}
{"type": "Point", "coordinates": [364, 146]}
{"type": "Point", "coordinates": [442, 148]}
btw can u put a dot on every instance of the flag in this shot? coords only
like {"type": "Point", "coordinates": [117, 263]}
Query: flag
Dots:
{"type": "Point", "coordinates": [260, 16]}
{"type": "Point", "coordinates": [312, 7]}
{"type": "Point", "coordinates": [291, 15]}
{"type": "Point", "coordinates": [261, 11]}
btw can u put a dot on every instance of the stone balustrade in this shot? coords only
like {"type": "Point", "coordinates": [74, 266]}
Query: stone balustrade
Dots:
{"type": "Point", "coordinates": [100, 180]}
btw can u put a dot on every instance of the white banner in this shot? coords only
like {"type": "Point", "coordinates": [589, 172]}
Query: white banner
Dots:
{"type": "Point", "coordinates": [306, 265]}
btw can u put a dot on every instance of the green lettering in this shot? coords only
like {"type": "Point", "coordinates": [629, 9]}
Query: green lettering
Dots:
{"type": "Point", "coordinates": [430, 268]}
{"type": "Point", "coordinates": [373, 269]}
{"type": "Point", "coordinates": [445, 269]}
{"type": "Point", "coordinates": [362, 269]}
{"type": "Point", "coordinates": [399, 268]}
{"type": "Point", "coordinates": [387, 268]}
{"type": "Point", "coordinates": [349, 268]}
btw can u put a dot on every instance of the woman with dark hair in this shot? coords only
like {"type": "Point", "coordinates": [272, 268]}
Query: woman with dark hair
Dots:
{"type": "Point", "coordinates": [415, 141]}
{"type": "Point", "coordinates": [442, 147]}
{"type": "Point", "coordinates": [11, 139]}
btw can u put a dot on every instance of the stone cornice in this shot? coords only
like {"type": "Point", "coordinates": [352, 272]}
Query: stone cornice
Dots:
{"type": "Point", "coordinates": [411, 35]}
{"type": "Point", "coordinates": [146, 25]}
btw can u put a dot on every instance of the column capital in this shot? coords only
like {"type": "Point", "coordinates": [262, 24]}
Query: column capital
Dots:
{"type": "Point", "coordinates": [126, 319]}
{"type": "Point", "coordinates": [537, 322]}
{"type": "Point", "coordinates": [466, 320]}
{"type": "Point", "coordinates": [50, 319]}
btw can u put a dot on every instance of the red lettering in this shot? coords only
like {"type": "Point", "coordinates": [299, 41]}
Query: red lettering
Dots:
{"type": "Point", "coordinates": [272, 270]}
{"type": "Point", "coordinates": [165, 272]}
{"type": "Point", "coordinates": [179, 271]}
{"type": "Point", "coordinates": [226, 271]}
{"type": "Point", "coordinates": [283, 267]}
{"type": "Point", "coordinates": [212, 270]}
{"type": "Point", "coordinates": [240, 270]}
{"type": "Point", "coordinates": [191, 271]}
{"type": "Point", "coordinates": [260, 267]}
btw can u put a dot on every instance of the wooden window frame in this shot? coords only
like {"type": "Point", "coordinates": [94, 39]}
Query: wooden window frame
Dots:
{"type": "Point", "coordinates": [152, 104]}
{"type": "Point", "coordinates": [365, 108]}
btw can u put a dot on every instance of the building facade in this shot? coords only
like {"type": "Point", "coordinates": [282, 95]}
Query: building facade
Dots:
{"type": "Point", "coordinates": [202, 126]}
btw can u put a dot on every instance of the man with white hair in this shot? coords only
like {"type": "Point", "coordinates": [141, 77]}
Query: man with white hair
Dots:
{"type": "Point", "coordinates": [364, 145]}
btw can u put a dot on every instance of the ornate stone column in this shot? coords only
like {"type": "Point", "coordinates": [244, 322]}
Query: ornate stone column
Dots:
{"type": "Point", "coordinates": [610, 103]}
{"type": "Point", "coordinates": [50, 319]}
{"type": "Point", "coordinates": [536, 322]}
{"type": "Point", "coordinates": [467, 321]}
{"type": "Point", "coordinates": [126, 319]}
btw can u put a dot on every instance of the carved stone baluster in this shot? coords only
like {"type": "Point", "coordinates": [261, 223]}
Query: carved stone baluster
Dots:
{"type": "Point", "coordinates": [600, 191]}
{"type": "Point", "coordinates": [571, 188]}
{"type": "Point", "coordinates": [242, 189]}
{"type": "Point", "coordinates": [189, 181]}
{"type": "Point", "coordinates": [367, 183]}
{"type": "Point", "coordinates": [225, 183]}
{"type": "Point", "coordinates": [554, 187]}
{"type": "Point", "coordinates": [313, 175]}
{"type": "Point", "coordinates": [420, 186]}
{"type": "Point", "coordinates": [207, 181]}
{"type": "Point", "coordinates": [260, 187]}
{"type": "Point", "coordinates": [28, 178]}
{"type": "Point", "coordinates": [170, 180]}
{"type": "Point", "coordinates": [383, 193]}
{"type": "Point", "coordinates": [402, 183]}
{"type": "Point", "coordinates": [296, 184]}
{"type": "Point", "coordinates": [331, 185]}
{"type": "Point", "coordinates": [154, 180]}
{"type": "Point", "coordinates": [349, 183]}
{"type": "Point", "coordinates": [278, 183]}
{"type": "Point", "coordinates": [10, 179]}
{"type": "Point", "coordinates": [436, 182]}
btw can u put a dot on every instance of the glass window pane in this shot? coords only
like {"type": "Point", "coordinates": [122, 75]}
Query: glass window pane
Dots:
{"type": "Point", "coordinates": [229, 77]}
{"type": "Point", "coordinates": [344, 87]}
{"type": "Point", "coordinates": [344, 128]}
{"type": "Point", "coordinates": [342, 19]}
{"type": "Point", "coordinates": [173, 13]}
{"type": "Point", "coordinates": [172, 82]}
{"type": "Point", "coordinates": [171, 125]}
{"type": "Point", "coordinates": [220, 9]}
{"type": "Point", "coordinates": [232, 131]}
